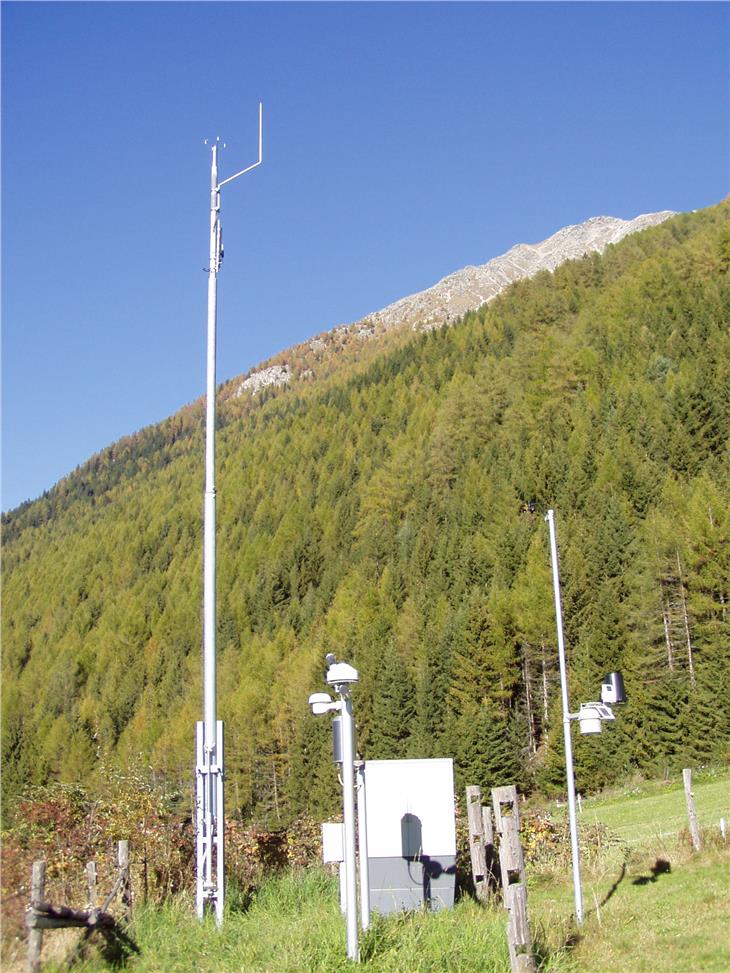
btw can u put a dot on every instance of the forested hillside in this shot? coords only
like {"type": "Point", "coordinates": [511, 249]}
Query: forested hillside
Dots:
{"type": "Point", "coordinates": [392, 512]}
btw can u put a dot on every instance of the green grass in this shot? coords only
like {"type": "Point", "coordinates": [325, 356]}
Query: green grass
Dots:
{"type": "Point", "coordinates": [666, 920]}
{"type": "Point", "coordinates": [294, 924]}
{"type": "Point", "coordinates": [656, 811]}
{"type": "Point", "coordinates": [673, 917]}
{"type": "Point", "coordinates": [649, 902]}
{"type": "Point", "coordinates": [650, 905]}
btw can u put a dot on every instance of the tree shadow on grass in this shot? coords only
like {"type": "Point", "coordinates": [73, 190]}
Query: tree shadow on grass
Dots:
{"type": "Point", "coordinates": [574, 935]}
{"type": "Point", "coordinates": [113, 943]}
{"type": "Point", "coordinates": [544, 953]}
{"type": "Point", "coordinates": [117, 947]}
{"type": "Point", "coordinates": [612, 891]}
{"type": "Point", "coordinates": [660, 867]}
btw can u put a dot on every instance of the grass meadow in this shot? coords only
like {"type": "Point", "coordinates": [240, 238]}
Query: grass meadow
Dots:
{"type": "Point", "coordinates": [650, 903]}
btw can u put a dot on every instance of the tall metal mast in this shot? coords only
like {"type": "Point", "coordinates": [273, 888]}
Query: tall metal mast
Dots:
{"type": "Point", "coordinates": [209, 769]}
{"type": "Point", "coordinates": [569, 772]}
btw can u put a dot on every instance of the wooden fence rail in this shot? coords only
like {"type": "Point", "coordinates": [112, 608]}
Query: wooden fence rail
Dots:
{"type": "Point", "coordinates": [41, 915]}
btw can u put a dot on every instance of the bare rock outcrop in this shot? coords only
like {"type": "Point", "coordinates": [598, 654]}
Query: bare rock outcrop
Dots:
{"type": "Point", "coordinates": [467, 289]}
{"type": "Point", "coordinates": [273, 375]}
{"type": "Point", "coordinates": [470, 288]}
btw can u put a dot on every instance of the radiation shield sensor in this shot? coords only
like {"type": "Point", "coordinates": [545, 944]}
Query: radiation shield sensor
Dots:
{"type": "Point", "coordinates": [342, 673]}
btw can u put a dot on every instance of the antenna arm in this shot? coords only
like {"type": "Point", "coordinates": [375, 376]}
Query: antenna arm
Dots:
{"type": "Point", "coordinates": [261, 153]}
{"type": "Point", "coordinates": [241, 173]}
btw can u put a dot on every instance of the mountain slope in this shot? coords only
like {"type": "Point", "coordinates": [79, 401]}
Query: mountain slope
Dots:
{"type": "Point", "coordinates": [321, 356]}
{"type": "Point", "coordinates": [391, 512]}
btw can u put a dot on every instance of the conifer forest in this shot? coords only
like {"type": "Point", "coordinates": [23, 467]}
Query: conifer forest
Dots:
{"type": "Point", "coordinates": [389, 506]}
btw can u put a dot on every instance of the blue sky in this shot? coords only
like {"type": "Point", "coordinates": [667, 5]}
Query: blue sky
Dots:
{"type": "Point", "coordinates": [402, 142]}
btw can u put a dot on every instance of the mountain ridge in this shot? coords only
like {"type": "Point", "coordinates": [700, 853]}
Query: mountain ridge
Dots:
{"type": "Point", "coordinates": [464, 290]}
{"type": "Point", "coordinates": [447, 300]}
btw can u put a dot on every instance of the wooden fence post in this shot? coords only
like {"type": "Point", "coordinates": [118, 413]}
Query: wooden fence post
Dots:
{"type": "Point", "coordinates": [514, 888]}
{"type": "Point", "coordinates": [91, 884]}
{"type": "Point", "coordinates": [125, 877]}
{"type": "Point", "coordinates": [488, 825]}
{"type": "Point", "coordinates": [37, 895]}
{"type": "Point", "coordinates": [694, 825]}
{"type": "Point", "coordinates": [477, 842]}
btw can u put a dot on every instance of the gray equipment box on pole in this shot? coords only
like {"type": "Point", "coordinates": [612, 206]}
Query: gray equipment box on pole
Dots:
{"type": "Point", "coordinates": [411, 834]}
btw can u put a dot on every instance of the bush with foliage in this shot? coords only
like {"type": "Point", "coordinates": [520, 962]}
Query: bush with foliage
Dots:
{"type": "Point", "coordinates": [68, 826]}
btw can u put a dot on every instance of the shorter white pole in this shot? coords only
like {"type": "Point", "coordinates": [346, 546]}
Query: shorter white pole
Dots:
{"type": "Point", "coordinates": [362, 839]}
{"type": "Point", "coordinates": [348, 811]}
{"type": "Point", "coordinates": [569, 774]}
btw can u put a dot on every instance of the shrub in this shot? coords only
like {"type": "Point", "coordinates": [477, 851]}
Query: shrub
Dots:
{"type": "Point", "coordinates": [67, 827]}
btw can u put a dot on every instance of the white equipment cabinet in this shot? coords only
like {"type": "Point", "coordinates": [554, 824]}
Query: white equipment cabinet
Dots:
{"type": "Point", "coordinates": [411, 834]}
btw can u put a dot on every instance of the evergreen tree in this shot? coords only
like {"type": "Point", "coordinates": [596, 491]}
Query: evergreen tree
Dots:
{"type": "Point", "coordinates": [394, 710]}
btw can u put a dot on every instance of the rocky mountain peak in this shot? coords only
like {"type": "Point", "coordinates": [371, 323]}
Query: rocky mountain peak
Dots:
{"type": "Point", "coordinates": [470, 288]}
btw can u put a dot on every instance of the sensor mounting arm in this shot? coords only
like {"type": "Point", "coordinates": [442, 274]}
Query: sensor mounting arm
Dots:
{"type": "Point", "coordinates": [261, 152]}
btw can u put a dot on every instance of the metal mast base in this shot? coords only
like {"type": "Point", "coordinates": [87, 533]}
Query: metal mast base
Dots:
{"type": "Point", "coordinates": [209, 822]}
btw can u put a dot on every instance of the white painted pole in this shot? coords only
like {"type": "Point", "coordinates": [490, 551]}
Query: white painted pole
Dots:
{"type": "Point", "coordinates": [209, 764]}
{"type": "Point", "coordinates": [362, 841]}
{"type": "Point", "coordinates": [210, 771]}
{"type": "Point", "coordinates": [209, 512]}
{"type": "Point", "coordinates": [348, 810]}
{"type": "Point", "coordinates": [220, 830]}
{"type": "Point", "coordinates": [570, 776]}
{"type": "Point", "coordinates": [209, 566]}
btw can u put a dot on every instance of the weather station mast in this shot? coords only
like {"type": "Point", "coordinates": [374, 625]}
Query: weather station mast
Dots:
{"type": "Point", "coordinates": [209, 757]}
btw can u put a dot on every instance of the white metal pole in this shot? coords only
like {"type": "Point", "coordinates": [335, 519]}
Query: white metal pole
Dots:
{"type": "Point", "coordinates": [570, 777]}
{"type": "Point", "coordinates": [209, 768]}
{"type": "Point", "coordinates": [209, 660]}
{"type": "Point", "coordinates": [220, 830]}
{"type": "Point", "coordinates": [209, 670]}
{"type": "Point", "coordinates": [362, 841]}
{"type": "Point", "coordinates": [210, 771]}
{"type": "Point", "coordinates": [348, 810]}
